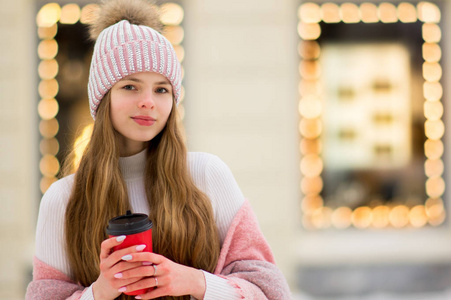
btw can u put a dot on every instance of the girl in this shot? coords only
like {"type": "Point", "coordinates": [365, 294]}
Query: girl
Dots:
{"type": "Point", "coordinates": [207, 244]}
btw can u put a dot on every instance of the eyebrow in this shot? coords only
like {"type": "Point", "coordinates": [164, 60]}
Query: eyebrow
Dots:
{"type": "Point", "coordinates": [140, 81]}
{"type": "Point", "coordinates": [163, 82]}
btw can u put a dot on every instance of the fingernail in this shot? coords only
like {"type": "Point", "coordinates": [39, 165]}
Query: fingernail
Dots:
{"type": "Point", "coordinates": [147, 263]}
{"type": "Point", "coordinates": [120, 238]}
{"type": "Point", "coordinates": [127, 257]}
{"type": "Point", "coordinates": [140, 247]}
{"type": "Point", "coordinates": [118, 275]}
{"type": "Point", "coordinates": [138, 297]}
{"type": "Point", "coordinates": [122, 289]}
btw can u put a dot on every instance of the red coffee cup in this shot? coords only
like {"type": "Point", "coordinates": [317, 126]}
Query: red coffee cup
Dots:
{"type": "Point", "coordinates": [138, 229]}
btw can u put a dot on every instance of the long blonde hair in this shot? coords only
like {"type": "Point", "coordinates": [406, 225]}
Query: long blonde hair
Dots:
{"type": "Point", "coordinates": [184, 227]}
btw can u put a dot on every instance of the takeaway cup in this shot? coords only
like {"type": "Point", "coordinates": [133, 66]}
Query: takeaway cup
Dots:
{"type": "Point", "coordinates": [137, 228]}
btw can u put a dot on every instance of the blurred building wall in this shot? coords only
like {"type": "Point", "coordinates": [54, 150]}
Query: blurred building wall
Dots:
{"type": "Point", "coordinates": [241, 104]}
{"type": "Point", "coordinates": [19, 149]}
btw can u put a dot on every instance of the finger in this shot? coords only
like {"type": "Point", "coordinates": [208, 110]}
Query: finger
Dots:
{"type": "Point", "coordinates": [126, 253]}
{"type": "Point", "coordinates": [137, 272]}
{"type": "Point", "coordinates": [117, 271]}
{"type": "Point", "coordinates": [160, 290]}
{"type": "Point", "coordinates": [120, 256]}
{"type": "Point", "coordinates": [146, 257]}
{"type": "Point", "coordinates": [148, 283]}
{"type": "Point", "coordinates": [107, 245]}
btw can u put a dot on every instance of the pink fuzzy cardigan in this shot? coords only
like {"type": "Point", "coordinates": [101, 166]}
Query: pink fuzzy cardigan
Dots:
{"type": "Point", "coordinates": [246, 261]}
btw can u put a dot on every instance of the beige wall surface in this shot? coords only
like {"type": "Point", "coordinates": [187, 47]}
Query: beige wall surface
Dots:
{"type": "Point", "coordinates": [241, 104]}
{"type": "Point", "coordinates": [18, 146]}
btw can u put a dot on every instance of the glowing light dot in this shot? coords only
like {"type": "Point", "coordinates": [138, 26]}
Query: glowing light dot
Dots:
{"type": "Point", "coordinates": [432, 52]}
{"type": "Point", "coordinates": [311, 165]}
{"type": "Point", "coordinates": [310, 107]}
{"type": "Point", "coordinates": [309, 13]}
{"type": "Point", "coordinates": [321, 218]}
{"type": "Point", "coordinates": [435, 187]}
{"type": "Point", "coordinates": [48, 88]}
{"type": "Point", "coordinates": [311, 185]}
{"type": "Point", "coordinates": [47, 49]}
{"type": "Point", "coordinates": [47, 32]}
{"type": "Point", "coordinates": [341, 217]}
{"type": "Point", "coordinates": [171, 14]}
{"type": "Point", "coordinates": [330, 13]}
{"type": "Point", "coordinates": [70, 14]}
{"type": "Point", "coordinates": [417, 216]}
{"type": "Point", "coordinates": [48, 15]}
{"type": "Point", "coordinates": [174, 34]}
{"type": "Point", "coordinates": [361, 217]}
{"type": "Point", "coordinates": [399, 216]}
{"type": "Point", "coordinates": [48, 69]}
{"type": "Point", "coordinates": [432, 71]}
{"type": "Point", "coordinates": [381, 216]}
{"type": "Point", "coordinates": [309, 87]}
{"type": "Point", "coordinates": [369, 12]}
{"type": "Point", "coordinates": [434, 129]}
{"type": "Point", "coordinates": [49, 146]}
{"type": "Point", "coordinates": [387, 13]}
{"type": "Point", "coordinates": [433, 149]}
{"type": "Point", "coordinates": [310, 146]}
{"type": "Point", "coordinates": [49, 165]}
{"type": "Point", "coordinates": [407, 13]}
{"type": "Point", "coordinates": [48, 108]}
{"type": "Point", "coordinates": [431, 33]}
{"type": "Point", "coordinates": [309, 69]}
{"type": "Point", "coordinates": [309, 31]}
{"type": "Point", "coordinates": [434, 167]}
{"type": "Point", "coordinates": [428, 12]}
{"type": "Point", "coordinates": [48, 128]}
{"type": "Point", "coordinates": [309, 49]}
{"type": "Point", "coordinates": [432, 91]}
{"type": "Point", "coordinates": [435, 211]}
{"type": "Point", "coordinates": [311, 203]}
{"type": "Point", "coordinates": [310, 128]}
{"type": "Point", "coordinates": [349, 13]}
{"type": "Point", "coordinates": [433, 110]}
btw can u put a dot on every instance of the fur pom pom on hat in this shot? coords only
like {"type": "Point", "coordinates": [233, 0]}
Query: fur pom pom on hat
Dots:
{"type": "Point", "coordinates": [128, 41]}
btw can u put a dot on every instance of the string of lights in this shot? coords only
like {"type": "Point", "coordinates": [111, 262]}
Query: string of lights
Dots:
{"type": "Point", "coordinates": [316, 215]}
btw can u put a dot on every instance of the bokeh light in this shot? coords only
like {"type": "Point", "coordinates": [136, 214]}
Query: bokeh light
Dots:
{"type": "Point", "coordinates": [171, 14]}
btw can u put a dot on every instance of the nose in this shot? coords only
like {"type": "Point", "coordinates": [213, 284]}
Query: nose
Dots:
{"type": "Point", "coordinates": [146, 101]}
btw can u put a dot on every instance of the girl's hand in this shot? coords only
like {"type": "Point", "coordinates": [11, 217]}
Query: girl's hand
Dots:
{"type": "Point", "coordinates": [113, 265]}
{"type": "Point", "coordinates": [169, 278]}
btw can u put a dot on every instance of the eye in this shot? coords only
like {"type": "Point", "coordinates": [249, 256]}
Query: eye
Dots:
{"type": "Point", "coordinates": [162, 90]}
{"type": "Point", "coordinates": [129, 87]}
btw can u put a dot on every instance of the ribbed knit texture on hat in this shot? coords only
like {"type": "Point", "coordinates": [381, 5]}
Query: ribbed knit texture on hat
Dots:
{"type": "Point", "coordinates": [124, 49]}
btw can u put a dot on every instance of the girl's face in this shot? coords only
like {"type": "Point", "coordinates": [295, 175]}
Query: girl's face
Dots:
{"type": "Point", "coordinates": [140, 106]}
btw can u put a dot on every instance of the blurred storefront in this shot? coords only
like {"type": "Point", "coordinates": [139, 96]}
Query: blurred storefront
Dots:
{"type": "Point", "coordinates": [331, 115]}
{"type": "Point", "coordinates": [374, 147]}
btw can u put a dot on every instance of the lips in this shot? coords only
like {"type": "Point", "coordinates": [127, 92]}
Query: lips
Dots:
{"type": "Point", "coordinates": [144, 120]}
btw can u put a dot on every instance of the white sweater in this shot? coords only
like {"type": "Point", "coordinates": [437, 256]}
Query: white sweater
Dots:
{"type": "Point", "coordinates": [210, 174]}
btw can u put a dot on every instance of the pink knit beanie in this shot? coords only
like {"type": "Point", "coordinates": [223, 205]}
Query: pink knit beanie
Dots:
{"type": "Point", "coordinates": [123, 49]}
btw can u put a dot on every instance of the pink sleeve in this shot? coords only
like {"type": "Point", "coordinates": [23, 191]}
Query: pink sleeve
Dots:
{"type": "Point", "coordinates": [48, 281]}
{"type": "Point", "coordinates": [246, 260]}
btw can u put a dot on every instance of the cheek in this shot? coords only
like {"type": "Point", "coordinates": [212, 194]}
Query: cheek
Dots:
{"type": "Point", "coordinates": [167, 110]}
{"type": "Point", "coordinates": [115, 111]}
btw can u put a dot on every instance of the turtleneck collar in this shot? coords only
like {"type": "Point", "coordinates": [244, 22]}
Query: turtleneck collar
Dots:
{"type": "Point", "coordinates": [133, 166]}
